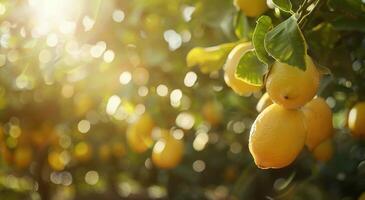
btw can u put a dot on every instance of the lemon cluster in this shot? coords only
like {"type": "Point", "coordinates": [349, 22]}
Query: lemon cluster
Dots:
{"type": "Point", "coordinates": [167, 151]}
{"type": "Point", "coordinates": [291, 118]}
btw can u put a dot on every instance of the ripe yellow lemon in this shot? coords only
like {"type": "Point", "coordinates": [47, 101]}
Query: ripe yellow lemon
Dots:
{"type": "Point", "coordinates": [139, 134]}
{"type": "Point", "coordinates": [168, 151]}
{"type": "Point", "coordinates": [318, 119]}
{"type": "Point", "coordinates": [237, 85]}
{"type": "Point", "coordinates": [356, 120]}
{"type": "Point", "coordinates": [292, 87]}
{"type": "Point", "coordinates": [324, 151]}
{"type": "Point", "coordinates": [251, 8]}
{"type": "Point", "coordinates": [263, 103]}
{"type": "Point", "coordinates": [277, 137]}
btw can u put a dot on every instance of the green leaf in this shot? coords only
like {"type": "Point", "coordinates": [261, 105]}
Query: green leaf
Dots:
{"type": "Point", "coordinates": [241, 26]}
{"type": "Point", "coordinates": [344, 24]}
{"type": "Point", "coordinates": [264, 24]}
{"type": "Point", "coordinates": [284, 5]}
{"type": "Point", "coordinates": [250, 69]}
{"type": "Point", "coordinates": [286, 43]}
{"type": "Point", "coordinates": [209, 59]}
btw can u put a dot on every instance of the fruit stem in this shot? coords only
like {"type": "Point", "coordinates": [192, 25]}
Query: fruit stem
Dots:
{"type": "Point", "coordinates": [304, 13]}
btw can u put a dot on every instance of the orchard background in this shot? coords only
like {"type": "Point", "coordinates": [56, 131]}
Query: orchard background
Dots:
{"type": "Point", "coordinates": [76, 77]}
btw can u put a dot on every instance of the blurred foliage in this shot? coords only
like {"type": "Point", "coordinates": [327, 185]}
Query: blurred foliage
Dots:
{"type": "Point", "coordinates": [75, 74]}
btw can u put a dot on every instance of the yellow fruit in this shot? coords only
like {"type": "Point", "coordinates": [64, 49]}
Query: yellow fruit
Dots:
{"type": "Point", "coordinates": [23, 157]}
{"type": "Point", "coordinates": [324, 151]}
{"type": "Point", "coordinates": [263, 103]}
{"type": "Point", "coordinates": [251, 8]}
{"type": "Point", "coordinates": [167, 152]}
{"type": "Point", "coordinates": [139, 134]}
{"type": "Point", "coordinates": [237, 85]}
{"type": "Point", "coordinates": [55, 161]}
{"type": "Point", "coordinates": [356, 120]}
{"type": "Point", "coordinates": [212, 112]}
{"type": "Point", "coordinates": [83, 152]}
{"type": "Point", "coordinates": [277, 137]}
{"type": "Point", "coordinates": [292, 87]}
{"type": "Point", "coordinates": [318, 119]}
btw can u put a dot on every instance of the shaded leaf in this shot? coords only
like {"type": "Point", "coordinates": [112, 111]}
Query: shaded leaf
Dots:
{"type": "Point", "coordinates": [264, 24]}
{"type": "Point", "coordinates": [250, 69]}
{"type": "Point", "coordinates": [209, 59]}
{"type": "Point", "coordinates": [344, 24]}
{"type": "Point", "coordinates": [241, 26]}
{"type": "Point", "coordinates": [286, 43]}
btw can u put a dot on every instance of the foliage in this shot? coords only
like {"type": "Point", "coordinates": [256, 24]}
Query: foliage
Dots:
{"type": "Point", "coordinates": [74, 75]}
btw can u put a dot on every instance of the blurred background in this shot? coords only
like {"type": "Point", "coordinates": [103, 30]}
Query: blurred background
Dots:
{"type": "Point", "coordinates": [75, 76]}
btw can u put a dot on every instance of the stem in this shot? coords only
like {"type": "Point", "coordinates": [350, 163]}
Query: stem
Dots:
{"type": "Point", "coordinates": [315, 9]}
{"type": "Point", "coordinates": [304, 13]}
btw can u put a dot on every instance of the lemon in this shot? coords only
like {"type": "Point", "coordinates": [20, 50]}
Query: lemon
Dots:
{"type": "Point", "coordinates": [277, 136]}
{"type": "Point", "coordinates": [251, 8]}
{"type": "Point", "coordinates": [23, 157]}
{"type": "Point", "coordinates": [356, 120]}
{"type": "Point", "coordinates": [264, 102]}
{"type": "Point", "coordinates": [292, 87]}
{"type": "Point", "coordinates": [55, 161]}
{"type": "Point", "coordinates": [139, 134]}
{"type": "Point", "coordinates": [237, 85]}
{"type": "Point", "coordinates": [324, 151]}
{"type": "Point", "coordinates": [168, 151]}
{"type": "Point", "coordinates": [318, 119]}
{"type": "Point", "coordinates": [83, 151]}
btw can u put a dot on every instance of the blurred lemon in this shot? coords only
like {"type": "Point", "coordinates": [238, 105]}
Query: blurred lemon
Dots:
{"type": "Point", "coordinates": [318, 119]}
{"type": "Point", "coordinates": [356, 120]}
{"type": "Point", "coordinates": [324, 151]}
{"type": "Point", "coordinates": [290, 86]}
{"type": "Point", "coordinates": [23, 156]}
{"type": "Point", "coordinates": [251, 8]}
{"type": "Point", "coordinates": [237, 85]}
{"type": "Point", "coordinates": [55, 161]}
{"type": "Point", "coordinates": [44, 136]}
{"type": "Point", "coordinates": [139, 134]}
{"type": "Point", "coordinates": [82, 152]}
{"type": "Point", "coordinates": [263, 103]}
{"type": "Point", "coordinates": [167, 152]}
{"type": "Point", "coordinates": [277, 137]}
